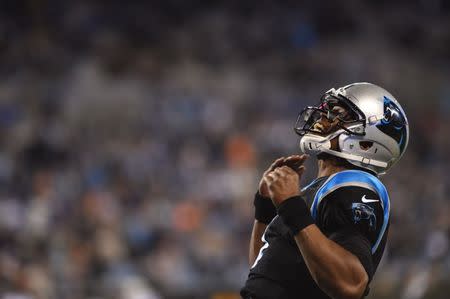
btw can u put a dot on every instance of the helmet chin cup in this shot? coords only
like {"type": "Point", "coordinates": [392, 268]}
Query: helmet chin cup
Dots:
{"type": "Point", "coordinates": [313, 144]}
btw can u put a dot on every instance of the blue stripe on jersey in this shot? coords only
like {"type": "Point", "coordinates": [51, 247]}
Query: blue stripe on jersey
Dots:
{"type": "Point", "coordinates": [357, 178]}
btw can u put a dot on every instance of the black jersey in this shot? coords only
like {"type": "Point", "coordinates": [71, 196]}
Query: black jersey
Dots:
{"type": "Point", "coordinates": [351, 208]}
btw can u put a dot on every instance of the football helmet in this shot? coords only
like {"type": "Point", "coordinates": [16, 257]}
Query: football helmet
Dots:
{"type": "Point", "coordinates": [371, 127]}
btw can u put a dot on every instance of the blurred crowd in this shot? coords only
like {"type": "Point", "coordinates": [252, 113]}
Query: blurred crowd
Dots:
{"type": "Point", "coordinates": [133, 137]}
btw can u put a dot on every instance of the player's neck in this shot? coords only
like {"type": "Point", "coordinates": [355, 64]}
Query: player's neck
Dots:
{"type": "Point", "coordinates": [327, 168]}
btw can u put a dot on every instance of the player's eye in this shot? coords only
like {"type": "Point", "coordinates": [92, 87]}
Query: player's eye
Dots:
{"type": "Point", "coordinates": [336, 112]}
{"type": "Point", "coordinates": [341, 113]}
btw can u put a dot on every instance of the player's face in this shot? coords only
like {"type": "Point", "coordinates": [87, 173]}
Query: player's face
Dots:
{"type": "Point", "coordinates": [330, 120]}
{"type": "Point", "coordinates": [332, 114]}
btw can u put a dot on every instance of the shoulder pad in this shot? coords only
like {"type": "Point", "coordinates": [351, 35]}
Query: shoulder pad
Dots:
{"type": "Point", "coordinates": [356, 178]}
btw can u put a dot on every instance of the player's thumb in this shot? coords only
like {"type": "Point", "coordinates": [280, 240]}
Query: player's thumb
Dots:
{"type": "Point", "coordinates": [300, 170]}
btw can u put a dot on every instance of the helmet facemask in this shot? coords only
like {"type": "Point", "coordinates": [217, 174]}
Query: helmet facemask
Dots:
{"type": "Point", "coordinates": [335, 113]}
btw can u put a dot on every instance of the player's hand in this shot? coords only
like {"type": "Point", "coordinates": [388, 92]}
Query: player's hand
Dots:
{"type": "Point", "coordinates": [283, 183]}
{"type": "Point", "coordinates": [295, 162]}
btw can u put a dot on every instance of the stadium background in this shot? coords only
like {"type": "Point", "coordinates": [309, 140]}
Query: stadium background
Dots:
{"type": "Point", "coordinates": [133, 137]}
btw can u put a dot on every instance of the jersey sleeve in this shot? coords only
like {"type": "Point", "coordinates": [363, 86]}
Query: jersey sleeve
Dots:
{"type": "Point", "coordinates": [353, 211]}
{"type": "Point", "coordinates": [352, 223]}
{"type": "Point", "coordinates": [352, 206]}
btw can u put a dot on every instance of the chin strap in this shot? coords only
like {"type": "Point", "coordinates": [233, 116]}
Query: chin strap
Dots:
{"type": "Point", "coordinates": [312, 144]}
{"type": "Point", "coordinates": [356, 158]}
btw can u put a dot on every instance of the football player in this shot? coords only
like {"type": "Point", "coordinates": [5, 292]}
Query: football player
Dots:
{"type": "Point", "coordinates": [326, 240]}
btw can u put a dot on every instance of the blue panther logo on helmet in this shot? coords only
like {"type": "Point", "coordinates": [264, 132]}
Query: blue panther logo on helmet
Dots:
{"type": "Point", "coordinates": [393, 123]}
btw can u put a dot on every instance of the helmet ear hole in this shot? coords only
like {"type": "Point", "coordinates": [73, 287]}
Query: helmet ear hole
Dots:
{"type": "Point", "coordinates": [365, 145]}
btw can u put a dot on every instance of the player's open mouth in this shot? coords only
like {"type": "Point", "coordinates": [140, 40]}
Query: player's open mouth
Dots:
{"type": "Point", "coordinates": [321, 128]}
{"type": "Point", "coordinates": [318, 127]}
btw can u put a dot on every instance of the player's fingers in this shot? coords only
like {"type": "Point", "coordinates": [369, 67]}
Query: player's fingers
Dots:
{"type": "Point", "coordinates": [274, 165]}
{"type": "Point", "coordinates": [279, 173]}
{"type": "Point", "coordinates": [277, 163]}
{"type": "Point", "coordinates": [269, 180]}
{"type": "Point", "coordinates": [301, 159]}
{"type": "Point", "coordinates": [285, 171]}
{"type": "Point", "coordinates": [300, 170]}
{"type": "Point", "coordinates": [295, 161]}
{"type": "Point", "coordinates": [285, 168]}
{"type": "Point", "coordinates": [276, 174]}
{"type": "Point", "coordinates": [292, 158]}
{"type": "Point", "coordinates": [300, 162]}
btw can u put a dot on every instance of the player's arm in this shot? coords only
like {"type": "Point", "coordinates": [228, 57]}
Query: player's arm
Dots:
{"type": "Point", "coordinates": [256, 240]}
{"type": "Point", "coordinates": [265, 211]}
{"type": "Point", "coordinates": [337, 271]}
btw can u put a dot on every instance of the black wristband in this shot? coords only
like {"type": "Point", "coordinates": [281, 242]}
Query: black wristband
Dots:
{"type": "Point", "coordinates": [264, 209]}
{"type": "Point", "coordinates": [295, 214]}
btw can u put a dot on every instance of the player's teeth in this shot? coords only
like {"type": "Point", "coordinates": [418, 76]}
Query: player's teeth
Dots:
{"type": "Point", "coordinates": [318, 127]}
